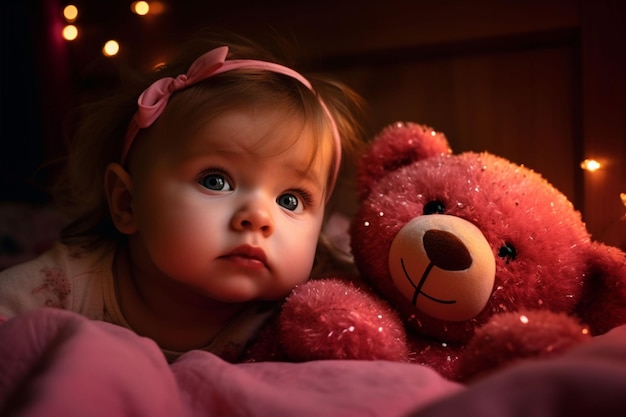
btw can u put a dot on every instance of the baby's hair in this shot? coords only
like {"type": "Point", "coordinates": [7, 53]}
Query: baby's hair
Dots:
{"type": "Point", "coordinates": [99, 137]}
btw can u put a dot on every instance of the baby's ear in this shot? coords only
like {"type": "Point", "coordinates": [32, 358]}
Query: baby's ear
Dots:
{"type": "Point", "coordinates": [118, 187]}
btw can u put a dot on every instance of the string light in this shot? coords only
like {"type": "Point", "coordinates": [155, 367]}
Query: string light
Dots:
{"type": "Point", "coordinates": [70, 32]}
{"type": "Point", "coordinates": [141, 8]}
{"type": "Point", "coordinates": [111, 48]}
{"type": "Point", "coordinates": [590, 165]}
{"type": "Point", "coordinates": [70, 13]}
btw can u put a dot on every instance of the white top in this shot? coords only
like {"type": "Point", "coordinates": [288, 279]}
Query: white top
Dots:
{"type": "Point", "coordinates": [83, 282]}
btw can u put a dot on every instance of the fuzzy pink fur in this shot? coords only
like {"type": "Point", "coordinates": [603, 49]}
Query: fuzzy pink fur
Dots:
{"type": "Point", "coordinates": [318, 319]}
{"type": "Point", "coordinates": [542, 334]}
{"type": "Point", "coordinates": [559, 288]}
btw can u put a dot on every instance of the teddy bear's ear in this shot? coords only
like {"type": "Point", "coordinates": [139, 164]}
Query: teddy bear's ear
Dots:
{"type": "Point", "coordinates": [603, 304]}
{"type": "Point", "coordinates": [397, 145]}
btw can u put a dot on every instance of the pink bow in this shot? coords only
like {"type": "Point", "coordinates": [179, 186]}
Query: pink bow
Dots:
{"type": "Point", "coordinates": [153, 100]}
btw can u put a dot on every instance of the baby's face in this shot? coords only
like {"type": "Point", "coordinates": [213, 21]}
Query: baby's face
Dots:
{"type": "Point", "coordinates": [234, 210]}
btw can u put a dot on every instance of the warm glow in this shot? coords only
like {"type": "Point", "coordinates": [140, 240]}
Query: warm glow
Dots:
{"type": "Point", "coordinates": [159, 65]}
{"type": "Point", "coordinates": [141, 8]}
{"type": "Point", "coordinates": [623, 197]}
{"type": "Point", "coordinates": [156, 7]}
{"type": "Point", "coordinates": [70, 32]}
{"type": "Point", "coordinates": [111, 48]}
{"type": "Point", "coordinates": [70, 13]}
{"type": "Point", "coordinates": [590, 165]}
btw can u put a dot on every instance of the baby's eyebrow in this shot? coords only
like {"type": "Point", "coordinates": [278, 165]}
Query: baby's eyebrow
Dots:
{"type": "Point", "coordinates": [307, 175]}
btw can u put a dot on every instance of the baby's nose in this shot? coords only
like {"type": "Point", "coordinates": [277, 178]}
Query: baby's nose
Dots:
{"type": "Point", "coordinates": [254, 216]}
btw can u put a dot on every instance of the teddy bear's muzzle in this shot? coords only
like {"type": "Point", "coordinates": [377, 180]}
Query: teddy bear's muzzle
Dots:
{"type": "Point", "coordinates": [444, 265]}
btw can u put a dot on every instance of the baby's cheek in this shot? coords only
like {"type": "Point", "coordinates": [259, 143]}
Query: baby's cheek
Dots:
{"type": "Point", "coordinates": [301, 263]}
{"type": "Point", "coordinates": [179, 254]}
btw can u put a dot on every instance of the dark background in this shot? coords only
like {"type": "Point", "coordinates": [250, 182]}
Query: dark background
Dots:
{"type": "Point", "coordinates": [542, 83]}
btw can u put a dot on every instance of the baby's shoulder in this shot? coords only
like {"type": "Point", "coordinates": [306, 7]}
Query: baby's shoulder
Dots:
{"type": "Point", "coordinates": [49, 279]}
{"type": "Point", "coordinates": [59, 256]}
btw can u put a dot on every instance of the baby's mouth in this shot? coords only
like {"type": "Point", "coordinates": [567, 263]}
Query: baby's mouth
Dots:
{"type": "Point", "coordinates": [247, 256]}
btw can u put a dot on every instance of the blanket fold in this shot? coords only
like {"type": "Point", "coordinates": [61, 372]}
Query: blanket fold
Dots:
{"type": "Point", "coordinates": [57, 363]}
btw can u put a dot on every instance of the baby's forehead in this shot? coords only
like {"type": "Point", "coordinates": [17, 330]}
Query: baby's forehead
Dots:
{"type": "Point", "coordinates": [262, 131]}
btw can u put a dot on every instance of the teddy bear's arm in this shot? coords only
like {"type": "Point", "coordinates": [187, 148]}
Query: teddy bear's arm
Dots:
{"type": "Point", "coordinates": [510, 337]}
{"type": "Point", "coordinates": [333, 319]}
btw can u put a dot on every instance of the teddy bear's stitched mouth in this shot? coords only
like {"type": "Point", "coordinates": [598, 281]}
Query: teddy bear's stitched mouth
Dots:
{"type": "Point", "coordinates": [420, 284]}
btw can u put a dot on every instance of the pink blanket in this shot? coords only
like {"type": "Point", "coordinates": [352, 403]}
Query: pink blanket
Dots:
{"type": "Point", "coordinates": [56, 363]}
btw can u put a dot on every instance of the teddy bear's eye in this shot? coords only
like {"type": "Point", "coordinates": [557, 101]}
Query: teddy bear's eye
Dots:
{"type": "Point", "coordinates": [507, 252]}
{"type": "Point", "coordinates": [434, 207]}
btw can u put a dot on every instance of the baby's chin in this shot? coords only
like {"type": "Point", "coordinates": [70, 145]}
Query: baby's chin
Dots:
{"type": "Point", "coordinates": [246, 290]}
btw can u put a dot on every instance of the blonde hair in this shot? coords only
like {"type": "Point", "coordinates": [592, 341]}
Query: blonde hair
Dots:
{"type": "Point", "coordinates": [98, 139]}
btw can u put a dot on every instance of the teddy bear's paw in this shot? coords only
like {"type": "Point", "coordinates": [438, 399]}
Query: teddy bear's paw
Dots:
{"type": "Point", "coordinates": [510, 337]}
{"type": "Point", "coordinates": [332, 319]}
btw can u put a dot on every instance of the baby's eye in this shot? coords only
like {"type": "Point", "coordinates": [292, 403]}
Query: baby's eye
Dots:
{"type": "Point", "coordinates": [289, 201]}
{"type": "Point", "coordinates": [215, 182]}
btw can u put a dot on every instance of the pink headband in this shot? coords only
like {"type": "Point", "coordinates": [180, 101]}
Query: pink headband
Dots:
{"type": "Point", "coordinates": [153, 100]}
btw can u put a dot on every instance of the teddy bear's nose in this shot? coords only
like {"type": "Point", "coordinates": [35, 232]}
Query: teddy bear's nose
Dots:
{"type": "Point", "coordinates": [446, 251]}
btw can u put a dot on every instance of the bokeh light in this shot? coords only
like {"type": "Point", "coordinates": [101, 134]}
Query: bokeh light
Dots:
{"type": "Point", "coordinates": [590, 165]}
{"type": "Point", "coordinates": [141, 8]}
{"type": "Point", "coordinates": [70, 13]}
{"type": "Point", "coordinates": [111, 48]}
{"type": "Point", "coordinates": [70, 32]}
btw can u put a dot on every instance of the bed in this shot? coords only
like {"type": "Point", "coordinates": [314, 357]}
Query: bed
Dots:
{"type": "Point", "coordinates": [57, 363]}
